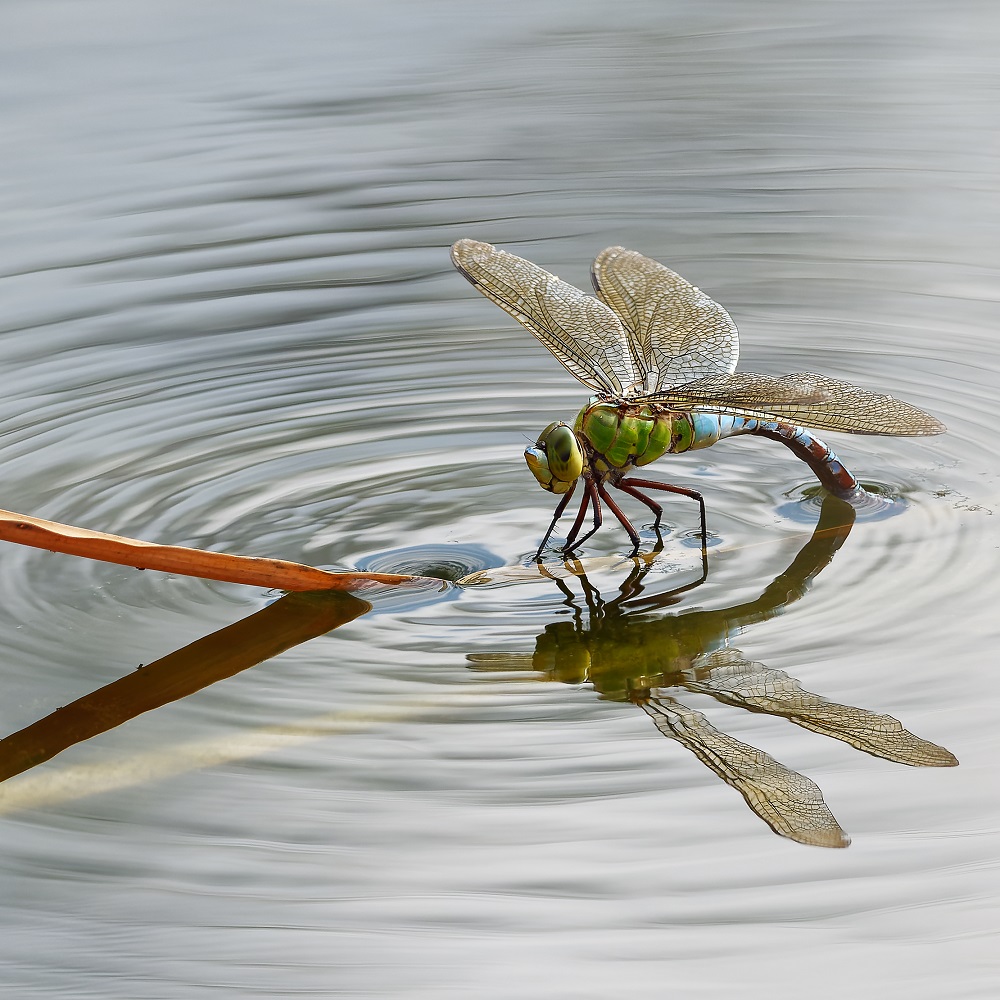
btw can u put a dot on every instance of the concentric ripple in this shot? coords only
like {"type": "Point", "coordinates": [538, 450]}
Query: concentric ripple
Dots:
{"type": "Point", "coordinates": [229, 320]}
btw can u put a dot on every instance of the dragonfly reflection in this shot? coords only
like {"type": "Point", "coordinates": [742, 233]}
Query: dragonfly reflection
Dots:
{"type": "Point", "coordinates": [629, 656]}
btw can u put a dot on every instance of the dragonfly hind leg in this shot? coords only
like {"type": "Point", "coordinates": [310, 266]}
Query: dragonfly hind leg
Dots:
{"type": "Point", "coordinates": [629, 486]}
{"type": "Point", "coordinates": [642, 498]}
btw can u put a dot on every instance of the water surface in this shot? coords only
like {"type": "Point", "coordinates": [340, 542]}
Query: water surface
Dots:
{"type": "Point", "coordinates": [230, 321]}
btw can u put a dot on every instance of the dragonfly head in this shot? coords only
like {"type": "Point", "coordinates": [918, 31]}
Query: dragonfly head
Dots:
{"type": "Point", "coordinates": [555, 459]}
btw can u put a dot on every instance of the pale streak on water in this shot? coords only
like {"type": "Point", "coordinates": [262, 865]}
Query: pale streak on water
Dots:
{"type": "Point", "coordinates": [229, 319]}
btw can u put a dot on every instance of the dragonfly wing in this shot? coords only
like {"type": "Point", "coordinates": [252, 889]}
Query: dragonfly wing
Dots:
{"type": "Point", "coordinates": [803, 398]}
{"type": "Point", "coordinates": [729, 677]}
{"type": "Point", "coordinates": [677, 332]}
{"type": "Point", "coordinates": [789, 802]}
{"type": "Point", "coordinates": [580, 331]}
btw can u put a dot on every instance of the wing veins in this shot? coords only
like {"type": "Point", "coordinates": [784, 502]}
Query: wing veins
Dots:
{"type": "Point", "coordinates": [802, 398]}
{"type": "Point", "coordinates": [580, 331]}
{"type": "Point", "coordinates": [789, 802]}
{"type": "Point", "coordinates": [730, 678]}
{"type": "Point", "coordinates": [674, 328]}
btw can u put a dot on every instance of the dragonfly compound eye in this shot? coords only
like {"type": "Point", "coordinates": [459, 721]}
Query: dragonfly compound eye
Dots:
{"type": "Point", "coordinates": [555, 459]}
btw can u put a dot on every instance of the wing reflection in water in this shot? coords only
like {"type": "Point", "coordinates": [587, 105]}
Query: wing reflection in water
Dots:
{"type": "Point", "coordinates": [627, 655]}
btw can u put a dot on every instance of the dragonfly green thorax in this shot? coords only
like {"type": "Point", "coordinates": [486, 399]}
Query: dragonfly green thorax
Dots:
{"type": "Point", "coordinates": [661, 355]}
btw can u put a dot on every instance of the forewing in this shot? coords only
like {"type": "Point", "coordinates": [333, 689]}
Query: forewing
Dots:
{"type": "Point", "coordinates": [677, 332]}
{"type": "Point", "coordinates": [803, 398]}
{"type": "Point", "coordinates": [729, 677]}
{"type": "Point", "coordinates": [789, 802]}
{"type": "Point", "coordinates": [581, 332]}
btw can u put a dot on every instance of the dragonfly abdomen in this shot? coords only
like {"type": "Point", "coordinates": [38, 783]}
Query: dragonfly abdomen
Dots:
{"type": "Point", "coordinates": [820, 457]}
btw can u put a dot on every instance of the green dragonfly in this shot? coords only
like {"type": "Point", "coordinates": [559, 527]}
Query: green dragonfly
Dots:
{"type": "Point", "coordinates": [660, 357]}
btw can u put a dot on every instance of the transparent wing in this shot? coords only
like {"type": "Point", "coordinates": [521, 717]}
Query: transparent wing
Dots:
{"type": "Point", "coordinates": [582, 333]}
{"type": "Point", "coordinates": [676, 331]}
{"type": "Point", "coordinates": [789, 802]}
{"type": "Point", "coordinates": [729, 677]}
{"type": "Point", "coordinates": [802, 398]}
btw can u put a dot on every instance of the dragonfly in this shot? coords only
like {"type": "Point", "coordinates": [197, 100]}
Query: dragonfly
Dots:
{"type": "Point", "coordinates": [660, 358]}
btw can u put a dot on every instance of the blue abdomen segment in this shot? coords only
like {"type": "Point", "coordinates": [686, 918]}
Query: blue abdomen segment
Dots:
{"type": "Point", "coordinates": [829, 470]}
{"type": "Point", "coordinates": [710, 427]}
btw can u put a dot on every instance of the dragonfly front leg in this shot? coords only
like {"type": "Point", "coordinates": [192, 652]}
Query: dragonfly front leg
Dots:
{"type": "Point", "coordinates": [590, 497]}
{"type": "Point", "coordinates": [555, 517]}
{"type": "Point", "coordinates": [650, 484]}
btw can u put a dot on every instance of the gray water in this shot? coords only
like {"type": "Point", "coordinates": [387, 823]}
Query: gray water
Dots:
{"type": "Point", "coordinates": [230, 321]}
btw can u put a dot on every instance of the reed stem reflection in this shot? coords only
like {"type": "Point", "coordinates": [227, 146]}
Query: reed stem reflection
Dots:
{"type": "Point", "coordinates": [292, 620]}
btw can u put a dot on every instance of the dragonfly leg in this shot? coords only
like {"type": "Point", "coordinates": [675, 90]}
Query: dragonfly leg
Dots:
{"type": "Point", "coordinates": [590, 498]}
{"type": "Point", "coordinates": [616, 510]}
{"type": "Point", "coordinates": [623, 485]}
{"type": "Point", "coordinates": [555, 517]}
{"type": "Point", "coordinates": [580, 514]}
{"type": "Point", "coordinates": [650, 484]}
{"type": "Point", "coordinates": [653, 506]}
